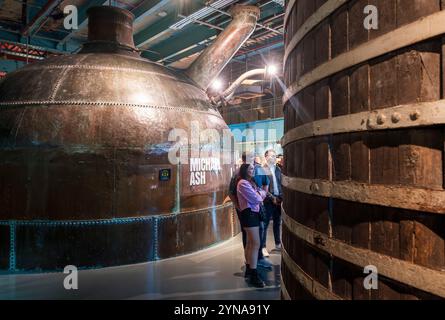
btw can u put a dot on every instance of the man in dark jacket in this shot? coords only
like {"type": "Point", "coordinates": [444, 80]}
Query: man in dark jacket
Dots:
{"type": "Point", "coordinates": [274, 198]}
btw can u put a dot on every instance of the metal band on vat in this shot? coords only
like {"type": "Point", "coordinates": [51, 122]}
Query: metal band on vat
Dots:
{"type": "Point", "coordinates": [404, 116]}
{"type": "Point", "coordinates": [395, 196]}
{"type": "Point", "coordinates": [314, 287]}
{"type": "Point", "coordinates": [313, 21]}
{"type": "Point", "coordinates": [418, 31]}
{"type": "Point", "coordinates": [284, 292]}
{"type": "Point", "coordinates": [419, 277]}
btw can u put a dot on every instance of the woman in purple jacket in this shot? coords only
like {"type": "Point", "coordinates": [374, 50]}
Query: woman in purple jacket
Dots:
{"type": "Point", "coordinates": [250, 198]}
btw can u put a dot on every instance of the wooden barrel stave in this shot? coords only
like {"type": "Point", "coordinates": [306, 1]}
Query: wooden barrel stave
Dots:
{"type": "Point", "coordinates": [410, 157]}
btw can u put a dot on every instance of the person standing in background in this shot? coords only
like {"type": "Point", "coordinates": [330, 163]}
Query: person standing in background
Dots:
{"type": "Point", "coordinates": [274, 198]}
{"type": "Point", "coordinates": [280, 162]}
{"type": "Point", "coordinates": [234, 198]}
{"type": "Point", "coordinates": [261, 180]}
{"type": "Point", "coordinates": [250, 197]}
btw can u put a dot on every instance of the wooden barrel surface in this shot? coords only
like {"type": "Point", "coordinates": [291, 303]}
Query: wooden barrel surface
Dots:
{"type": "Point", "coordinates": [363, 180]}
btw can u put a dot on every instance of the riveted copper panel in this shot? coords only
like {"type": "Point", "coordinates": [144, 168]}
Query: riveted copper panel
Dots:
{"type": "Point", "coordinates": [193, 231]}
{"type": "Point", "coordinates": [52, 245]}
{"type": "Point", "coordinates": [40, 246]}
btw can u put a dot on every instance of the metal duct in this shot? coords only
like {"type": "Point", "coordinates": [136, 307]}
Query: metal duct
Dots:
{"type": "Point", "coordinates": [213, 60]}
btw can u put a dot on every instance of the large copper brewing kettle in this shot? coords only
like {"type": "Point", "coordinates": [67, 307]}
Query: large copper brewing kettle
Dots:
{"type": "Point", "coordinates": [85, 177]}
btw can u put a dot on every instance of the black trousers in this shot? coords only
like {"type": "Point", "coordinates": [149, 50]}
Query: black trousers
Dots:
{"type": "Point", "coordinates": [272, 212]}
{"type": "Point", "coordinates": [244, 235]}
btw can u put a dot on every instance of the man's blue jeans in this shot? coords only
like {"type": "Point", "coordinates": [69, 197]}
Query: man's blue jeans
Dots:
{"type": "Point", "coordinates": [272, 212]}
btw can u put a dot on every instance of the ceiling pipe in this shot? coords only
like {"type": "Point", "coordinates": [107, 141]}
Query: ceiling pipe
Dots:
{"type": "Point", "coordinates": [211, 26]}
{"type": "Point", "coordinates": [213, 60]}
{"type": "Point", "coordinates": [227, 94]}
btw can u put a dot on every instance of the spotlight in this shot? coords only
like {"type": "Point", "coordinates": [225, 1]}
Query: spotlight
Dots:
{"type": "Point", "coordinates": [272, 70]}
{"type": "Point", "coordinates": [217, 85]}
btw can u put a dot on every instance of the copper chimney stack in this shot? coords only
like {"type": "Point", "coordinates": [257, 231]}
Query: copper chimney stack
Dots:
{"type": "Point", "coordinates": [110, 30]}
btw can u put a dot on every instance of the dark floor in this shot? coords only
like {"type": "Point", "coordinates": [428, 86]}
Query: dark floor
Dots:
{"type": "Point", "coordinates": [215, 273]}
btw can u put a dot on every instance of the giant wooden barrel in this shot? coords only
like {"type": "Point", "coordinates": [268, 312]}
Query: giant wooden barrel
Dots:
{"type": "Point", "coordinates": [364, 150]}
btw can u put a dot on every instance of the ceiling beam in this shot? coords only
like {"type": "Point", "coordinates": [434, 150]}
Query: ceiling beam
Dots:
{"type": "Point", "coordinates": [42, 44]}
{"type": "Point", "coordinates": [187, 52]}
{"type": "Point", "coordinates": [162, 27]}
{"type": "Point", "coordinates": [180, 42]}
{"type": "Point", "coordinates": [148, 8]}
{"type": "Point", "coordinates": [40, 18]}
{"type": "Point", "coordinates": [203, 23]}
{"type": "Point", "coordinates": [258, 24]}
{"type": "Point", "coordinates": [153, 31]}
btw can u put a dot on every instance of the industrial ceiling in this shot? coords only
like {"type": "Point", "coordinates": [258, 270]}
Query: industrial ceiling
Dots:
{"type": "Point", "coordinates": [171, 32]}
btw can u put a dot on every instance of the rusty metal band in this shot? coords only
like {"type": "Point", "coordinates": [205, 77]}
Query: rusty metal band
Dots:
{"type": "Point", "coordinates": [284, 292]}
{"type": "Point", "coordinates": [423, 29]}
{"type": "Point", "coordinates": [416, 276]}
{"type": "Point", "coordinates": [289, 8]}
{"type": "Point", "coordinates": [418, 199]}
{"type": "Point", "coordinates": [313, 21]}
{"type": "Point", "coordinates": [404, 116]}
{"type": "Point", "coordinates": [316, 289]}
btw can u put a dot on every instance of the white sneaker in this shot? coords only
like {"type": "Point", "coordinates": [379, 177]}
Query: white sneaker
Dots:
{"type": "Point", "coordinates": [265, 252]}
{"type": "Point", "coordinates": [278, 246]}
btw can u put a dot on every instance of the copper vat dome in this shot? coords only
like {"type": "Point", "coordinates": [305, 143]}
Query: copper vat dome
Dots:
{"type": "Point", "coordinates": [84, 168]}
